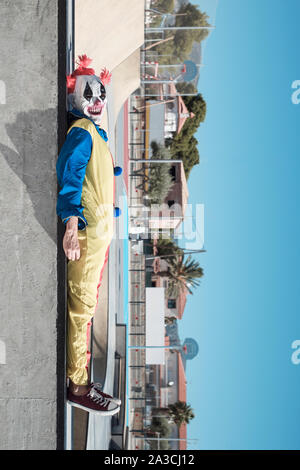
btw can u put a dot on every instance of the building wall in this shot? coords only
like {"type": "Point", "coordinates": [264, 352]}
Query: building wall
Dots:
{"type": "Point", "coordinates": [108, 31]}
{"type": "Point", "coordinates": [28, 269]}
{"type": "Point", "coordinates": [163, 282]}
{"type": "Point", "coordinates": [111, 33]}
{"type": "Point", "coordinates": [178, 192]}
{"type": "Point", "coordinates": [169, 394]}
{"type": "Point", "coordinates": [160, 281]}
{"type": "Point", "coordinates": [164, 374]}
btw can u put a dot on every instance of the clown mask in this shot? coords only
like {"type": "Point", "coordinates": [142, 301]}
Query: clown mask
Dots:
{"type": "Point", "coordinates": [87, 93]}
{"type": "Point", "coordinates": [89, 97]}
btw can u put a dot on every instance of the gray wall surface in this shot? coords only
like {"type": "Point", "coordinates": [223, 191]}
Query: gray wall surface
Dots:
{"type": "Point", "coordinates": [28, 267]}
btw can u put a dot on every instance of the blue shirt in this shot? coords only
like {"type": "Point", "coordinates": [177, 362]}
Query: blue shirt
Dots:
{"type": "Point", "coordinates": [71, 167]}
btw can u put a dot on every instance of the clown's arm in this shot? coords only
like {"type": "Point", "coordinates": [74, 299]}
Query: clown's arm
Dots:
{"type": "Point", "coordinates": [71, 167]}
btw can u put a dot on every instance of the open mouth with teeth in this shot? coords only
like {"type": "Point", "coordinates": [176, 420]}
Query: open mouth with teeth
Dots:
{"type": "Point", "coordinates": [95, 110]}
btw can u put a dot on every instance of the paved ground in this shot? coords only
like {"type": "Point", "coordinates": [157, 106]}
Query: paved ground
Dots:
{"type": "Point", "coordinates": [118, 50]}
{"type": "Point", "coordinates": [28, 151]}
{"type": "Point", "coordinates": [110, 304]}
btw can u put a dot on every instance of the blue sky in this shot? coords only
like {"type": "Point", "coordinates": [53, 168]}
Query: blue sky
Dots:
{"type": "Point", "coordinates": [246, 313]}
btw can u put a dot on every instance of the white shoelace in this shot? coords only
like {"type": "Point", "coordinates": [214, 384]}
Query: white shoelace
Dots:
{"type": "Point", "coordinates": [98, 398]}
{"type": "Point", "coordinates": [98, 386]}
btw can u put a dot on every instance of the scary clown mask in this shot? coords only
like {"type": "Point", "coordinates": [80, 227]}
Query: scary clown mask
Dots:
{"type": "Point", "coordinates": [86, 91]}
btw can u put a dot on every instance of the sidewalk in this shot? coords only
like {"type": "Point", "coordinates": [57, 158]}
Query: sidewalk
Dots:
{"type": "Point", "coordinates": [120, 53]}
{"type": "Point", "coordinates": [110, 304]}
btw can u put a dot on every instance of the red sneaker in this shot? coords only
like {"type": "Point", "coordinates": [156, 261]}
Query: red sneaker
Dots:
{"type": "Point", "coordinates": [93, 401]}
{"type": "Point", "coordinates": [98, 387]}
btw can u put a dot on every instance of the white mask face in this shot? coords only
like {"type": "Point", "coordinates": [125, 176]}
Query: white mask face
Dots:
{"type": "Point", "coordinates": [89, 97]}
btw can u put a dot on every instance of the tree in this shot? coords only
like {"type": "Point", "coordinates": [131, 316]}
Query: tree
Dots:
{"type": "Point", "coordinates": [184, 145]}
{"type": "Point", "coordinates": [170, 320]}
{"type": "Point", "coordinates": [167, 246]}
{"type": "Point", "coordinates": [191, 15]}
{"type": "Point", "coordinates": [186, 149]}
{"type": "Point", "coordinates": [160, 425]}
{"type": "Point", "coordinates": [178, 413]}
{"type": "Point", "coordinates": [160, 180]}
{"type": "Point", "coordinates": [186, 87]}
{"type": "Point", "coordinates": [197, 105]}
{"type": "Point", "coordinates": [182, 274]}
{"type": "Point", "coordinates": [161, 444]}
{"type": "Point", "coordinates": [181, 413]}
{"type": "Point", "coordinates": [163, 6]}
{"type": "Point", "coordinates": [181, 47]}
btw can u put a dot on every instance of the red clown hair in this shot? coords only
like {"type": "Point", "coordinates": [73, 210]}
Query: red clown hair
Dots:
{"type": "Point", "coordinates": [83, 69]}
{"type": "Point", "coordinates": [105, 76]}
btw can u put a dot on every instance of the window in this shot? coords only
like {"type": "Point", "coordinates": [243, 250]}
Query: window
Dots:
{"type": "Point", "coordinates": [171, 303]}
{"type": "Point", "coordinates": [171, 203]}
{"type": "Point", "coordinates": [173, 172]}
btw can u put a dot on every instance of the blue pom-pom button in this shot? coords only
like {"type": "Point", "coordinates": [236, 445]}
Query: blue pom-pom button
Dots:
{"type": "Point", "coordinates": [117, 212]}
{"type": "Point", "coordinates": [117, 170]}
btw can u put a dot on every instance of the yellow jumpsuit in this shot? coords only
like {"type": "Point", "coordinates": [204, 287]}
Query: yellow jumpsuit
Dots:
{"type": "Point", "coordinates": [84, 275]}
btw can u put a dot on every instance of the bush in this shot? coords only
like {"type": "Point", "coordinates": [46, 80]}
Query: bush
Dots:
{"type": "Point", "coordinates": [160, 180]}
{"type": "Point", "coordinates": [184, 144]}
{"type": "Point", "coordinates": [164, 6]}
{"type": "Point", "coordinates": [181, 46]}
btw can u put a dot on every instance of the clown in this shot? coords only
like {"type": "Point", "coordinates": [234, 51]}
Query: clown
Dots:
{"type": "Point", "coordinates": [86, 91]}
{"type": "Point", "coordinates": [85, 172]}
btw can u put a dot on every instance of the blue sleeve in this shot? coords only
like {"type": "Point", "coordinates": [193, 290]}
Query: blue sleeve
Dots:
{"type": "Point", "coordinates": [71, 167]}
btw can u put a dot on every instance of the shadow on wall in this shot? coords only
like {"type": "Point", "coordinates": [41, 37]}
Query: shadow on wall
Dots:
{"type": "Point", "coordinates": [33, 134]}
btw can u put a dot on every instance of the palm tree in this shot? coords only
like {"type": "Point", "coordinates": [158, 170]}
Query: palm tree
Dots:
{"type": "Point", "coordinates": [178, 413]}
{"type": "Point", "coordinates": [167, 246]}
{"type": "Point", "coordinates": [182, 274]}
{"type": "Point", "coordinates": [181, 413]}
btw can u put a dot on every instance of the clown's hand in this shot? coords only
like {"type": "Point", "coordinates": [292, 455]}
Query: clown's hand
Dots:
{"type": "Point", "coordinates": [70, 241]}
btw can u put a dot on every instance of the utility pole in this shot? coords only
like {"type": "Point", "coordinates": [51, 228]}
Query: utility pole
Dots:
{"type": "Point", "coordinates": [178, 347]}
{"type": "Point", "coordinates": [166, 438]}
{"type": "Point", "coordinates": [154, 160]}
{"type": "Point", "coordinates": [170, 256]}
{"type": "Point", "coordinates": [156, 43]}
{"type": "Point", "coordinates": [156, 104]}
{"type": "Point", "coordinates": [177, 28]}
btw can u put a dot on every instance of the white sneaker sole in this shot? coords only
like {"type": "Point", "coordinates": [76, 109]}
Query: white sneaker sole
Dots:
{"type": "Point", "coordinates": [115, 400]}
{"type": "Point", "coordinates": [98, 412]}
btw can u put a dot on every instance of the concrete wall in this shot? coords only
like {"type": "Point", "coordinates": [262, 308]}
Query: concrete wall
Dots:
{"type": "Point", "coordinates": [111, 32]}
{"type": "Point", "coordinates": [108, 31]}
{"type": "Point", "coordinates": [28, 272]}
{"type": "Point", "coordinates": [126, 79]}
